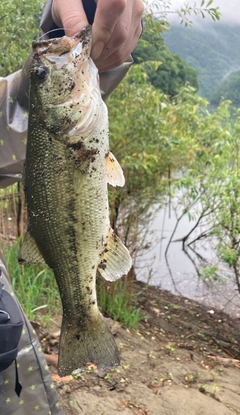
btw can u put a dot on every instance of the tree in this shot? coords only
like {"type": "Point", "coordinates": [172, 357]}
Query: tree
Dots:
{"type": "Point", "coordinates": [151, 138]}
{"type": "Point", "coordinates": [172, 72]}
{"type": "Point", "coordinates": [229, 89]}
{"type": "Point", "coordinates": [209, 186]}
{"type": "Point", "coordinates": [19, 22]}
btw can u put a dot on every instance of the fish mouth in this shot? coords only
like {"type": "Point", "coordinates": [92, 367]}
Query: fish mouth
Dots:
{"type": "Point", "coordinates": [79, 44]}
{"type": "Point", "coordinates": [60, 52]}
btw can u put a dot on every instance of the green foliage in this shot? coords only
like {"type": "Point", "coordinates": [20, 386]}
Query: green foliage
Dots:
{"type": "Point", "coordinates": [204, 10]}
{"type": "Point", "coordinates": [118, 302]}
{"type": "Point", "coordinates": [213, 182]}
{"type": "Point", "coordinates": [146, 133]}
{"type": "Point", "coordinates": [152, 138]}
{"type": "Point", "coordinates": [162, 9]}
{"type": "Point", "coordinates": [229, 89]}
{"type": "Point", "coordinates": [172, 72]}
{"type": "Point", "coordinates": [206, 48]}
{"type": "Point", "coordinates": [208, 273]}
{"type": "Point", "coordinates": [19, 22]}
{"type": "Point", "coordinates": [34, 286]}
{"type": "Point", "coordinates": [228, 255]}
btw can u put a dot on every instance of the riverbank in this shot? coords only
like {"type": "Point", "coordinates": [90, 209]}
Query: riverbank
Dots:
{"type": "Point", "coordinates": [183, 359]}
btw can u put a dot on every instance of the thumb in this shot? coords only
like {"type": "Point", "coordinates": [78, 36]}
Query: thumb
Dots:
{"type": "Point", "coordinates": [69, 15]}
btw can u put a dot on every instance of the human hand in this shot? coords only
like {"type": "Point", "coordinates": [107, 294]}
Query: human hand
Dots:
{"type": "Point", "coordinates": [115, 30]}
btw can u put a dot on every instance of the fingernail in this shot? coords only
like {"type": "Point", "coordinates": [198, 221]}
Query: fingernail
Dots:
{"type": "Point", "coordinates": [97, 50]}
{"type": "Point", "coordinates": [127, 64]}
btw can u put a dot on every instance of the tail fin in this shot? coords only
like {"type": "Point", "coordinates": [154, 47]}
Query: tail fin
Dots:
{"type": "Point", "coordinates": [92, 343]}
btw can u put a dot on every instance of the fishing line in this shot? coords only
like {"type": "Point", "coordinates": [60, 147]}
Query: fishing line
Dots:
{"type": "Point", "coordinates": [42, 37]}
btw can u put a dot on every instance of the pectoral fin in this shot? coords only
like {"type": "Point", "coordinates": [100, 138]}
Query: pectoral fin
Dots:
{"type": "Point", "coordinates": [29, 252]}
{"type": "Point", "coordinates": [114, 172]}
{"type": "Point", "coordinates": [116, 260]}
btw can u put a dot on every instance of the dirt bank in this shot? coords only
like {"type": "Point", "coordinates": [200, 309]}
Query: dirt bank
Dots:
{"type": "Point", "coordinates": [184, 359]}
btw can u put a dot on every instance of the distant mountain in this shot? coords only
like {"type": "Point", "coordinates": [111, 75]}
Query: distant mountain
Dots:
{"type": "Point", "coordinates": [173, 71]}
{"type": "Point", "coordinates": [228, 89]}
{"type": "Point", "coordinates": [212, 48]}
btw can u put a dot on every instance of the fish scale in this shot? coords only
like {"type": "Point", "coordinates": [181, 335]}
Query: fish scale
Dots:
{"type": "Point", "coordinates": [68, 167]}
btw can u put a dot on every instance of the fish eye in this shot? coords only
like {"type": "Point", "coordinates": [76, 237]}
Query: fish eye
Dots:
{"type": "Point", "coordinates": [41, 73]}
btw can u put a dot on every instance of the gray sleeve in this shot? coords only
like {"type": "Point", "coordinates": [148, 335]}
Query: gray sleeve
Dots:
{"type": "Point", "coordinates": [14, 108]}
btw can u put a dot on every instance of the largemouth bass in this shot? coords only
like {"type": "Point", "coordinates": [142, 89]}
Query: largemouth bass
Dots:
{"type": "Point", "coordinates": [68, 165]}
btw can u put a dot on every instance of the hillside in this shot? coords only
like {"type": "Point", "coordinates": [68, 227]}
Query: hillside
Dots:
{"type": "Point", "coordinates": [212, 48]}
{"type": "Point", "coordinates": [173, 71]}
{"type": "Point", "coordinates": [228, 89]}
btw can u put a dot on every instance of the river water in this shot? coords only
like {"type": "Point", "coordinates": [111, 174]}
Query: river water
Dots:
{"type": "Point", "coordinates": [178, 273]}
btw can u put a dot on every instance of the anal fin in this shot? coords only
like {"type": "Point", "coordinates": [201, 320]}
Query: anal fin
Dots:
{"type": "Point", "coordinates": [116, 260]}
{"type": "Point", "coordinates": [29, 252]}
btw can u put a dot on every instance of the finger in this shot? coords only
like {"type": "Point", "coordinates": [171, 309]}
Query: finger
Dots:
{"type": "Point", "coordinates": [119, 56]}
{"type": "Point", "coordinates": [105, 20]}
{"type": "Point", "coordinates": [125, 36]}
{"type": "Point", "coordinates": [70, 15]}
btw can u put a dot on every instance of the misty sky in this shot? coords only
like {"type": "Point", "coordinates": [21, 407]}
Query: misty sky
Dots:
{"type": "Point", "coordinates": [230, 9]}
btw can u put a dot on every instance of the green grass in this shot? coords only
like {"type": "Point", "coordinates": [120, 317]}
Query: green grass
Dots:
{"type": "Point", "coordinates": [119, 302]}
{"type": "Point", "coordinates": [34, 286]}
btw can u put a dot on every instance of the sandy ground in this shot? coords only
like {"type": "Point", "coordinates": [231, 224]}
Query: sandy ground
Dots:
{"type": "Point", "coordinates": [182, 360]}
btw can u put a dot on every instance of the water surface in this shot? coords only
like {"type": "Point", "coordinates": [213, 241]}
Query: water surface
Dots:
{"type": "Point", "coordinates": [179, 273]}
